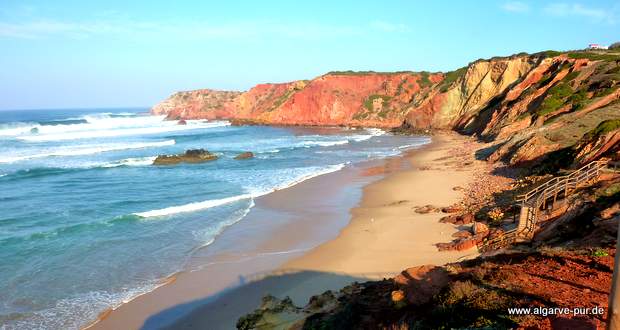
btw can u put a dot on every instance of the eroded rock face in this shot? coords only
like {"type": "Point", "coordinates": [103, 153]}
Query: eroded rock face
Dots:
{"type": "Point", "coordinates": [532, 105]}
{"type": "Point", "coordinates": [190, 156]}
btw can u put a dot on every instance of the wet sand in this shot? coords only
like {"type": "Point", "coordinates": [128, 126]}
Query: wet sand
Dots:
{"type": "Point", "coordinates": [378, 238]}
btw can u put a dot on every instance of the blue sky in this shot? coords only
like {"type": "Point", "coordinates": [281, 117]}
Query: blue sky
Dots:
{"type": "Point", "coordinates": [73, 54]}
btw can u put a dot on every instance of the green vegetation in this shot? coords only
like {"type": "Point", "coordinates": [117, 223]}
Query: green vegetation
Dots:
{"type": "Point", "coordinates": [599, 253]}
{"type": "Point", "coordinates": [606, 91]}
{"type": "Point", "coordinates": [615, 45]}
{"type": "Point", "coordinates": [369, 101]}
{"type": "Point", "coordinates": [571, 76]}
{"type": "Point", "coordinates": [282, 99]}
{"type": "Point", "coordinates": [594, 56]}
{"type": "Point", "coordinates": [549, 53]}
{"type": "Point", "coordinates": [450, 78]}
{"type": "Point", "coordinates": [579, 99]}
{"type": "Point", "coordinates": [424, 80]}
{"type": "Point", "coordinates": [554, 99]}
{"type": "Point", "coordinates": [603, 128]}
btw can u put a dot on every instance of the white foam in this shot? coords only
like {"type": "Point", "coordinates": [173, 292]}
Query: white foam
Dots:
{"type": "Point", "coordinates": [198, 206]}
{"type": "Point", "coordinates": [104, 129]}
{"type": "Point", "coordinates": [137, 161]}
{"type": "Point", "coordinates": [87, 150]}
{"type": "Point", "coordinates": [308, 144]}
{"type": "Point", "coordinates": [192, 207]}
{"type": "Point", "coordinates": [74, 312]}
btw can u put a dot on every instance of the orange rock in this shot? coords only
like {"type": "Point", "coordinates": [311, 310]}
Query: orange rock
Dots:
{"type": "Point", "coordinates": [421, 283]}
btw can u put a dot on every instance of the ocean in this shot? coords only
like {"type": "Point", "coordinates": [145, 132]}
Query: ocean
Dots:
{"type": "Point", "coordinates": [87, 222]}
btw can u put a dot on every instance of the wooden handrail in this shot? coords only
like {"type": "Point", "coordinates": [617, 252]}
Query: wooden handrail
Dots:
{"type": "Point", "coordinates": [537, 198]}
{"type": "Point", "coordinates": [597, 164]}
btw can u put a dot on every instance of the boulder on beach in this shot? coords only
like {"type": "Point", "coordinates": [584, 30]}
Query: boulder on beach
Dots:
{"type": "Point", "coordinates": [182, 122]}
{"type": "Point", "coordinates": [245, 155]}
{"type": "Point", "coordinates": [190, 156]}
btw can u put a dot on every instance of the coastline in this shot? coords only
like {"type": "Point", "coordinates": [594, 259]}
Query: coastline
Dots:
{"type": "Point", "coordinates": [370, 244]}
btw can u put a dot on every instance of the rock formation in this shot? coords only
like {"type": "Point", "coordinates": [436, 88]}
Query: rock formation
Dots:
{"type": "Point", "coordinates": [190, 156]}
{"type": "Point", "coordinates": [531, 105]}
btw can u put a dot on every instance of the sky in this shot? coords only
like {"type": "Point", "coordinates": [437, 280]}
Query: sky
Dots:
{"type": "Point", "coordinates": [94, 54]}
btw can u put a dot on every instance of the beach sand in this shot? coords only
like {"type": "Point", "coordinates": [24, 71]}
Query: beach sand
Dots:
{"type": "Point", "coordinates": [383, 237]}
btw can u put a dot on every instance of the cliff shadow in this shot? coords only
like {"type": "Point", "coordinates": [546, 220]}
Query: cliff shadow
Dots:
{"type": "Point", "coordinates": [223, 309]}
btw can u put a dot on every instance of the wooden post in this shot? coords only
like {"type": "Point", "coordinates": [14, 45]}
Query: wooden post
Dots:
{"type": "Point", "coordinates": [613, 310]}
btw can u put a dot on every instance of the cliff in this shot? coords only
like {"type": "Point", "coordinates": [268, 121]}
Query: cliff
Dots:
{"type": "Point", "coordinates": [531, 105]}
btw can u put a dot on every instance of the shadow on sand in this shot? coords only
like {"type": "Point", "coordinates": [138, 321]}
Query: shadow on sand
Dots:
{"type": "Point", "coordinates": [222, 310]}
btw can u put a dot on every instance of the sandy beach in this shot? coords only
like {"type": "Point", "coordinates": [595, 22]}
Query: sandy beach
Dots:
{"type": "Point", "coordinates": [381, 237]}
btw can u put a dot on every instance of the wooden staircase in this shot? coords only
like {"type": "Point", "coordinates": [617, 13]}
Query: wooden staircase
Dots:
{"type": "Point", "coordinates": [544, 198]}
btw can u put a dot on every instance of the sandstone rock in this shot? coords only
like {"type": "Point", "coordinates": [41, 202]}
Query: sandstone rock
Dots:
{"type": "Point", "coordinates": [467, 218]}
{"type": "Point", "coordinates": [425, 209]}
{"type": "Point", "coordinates": [462, 234]}
{"type": "Point", "coordinates": [449, 219]}
{"type": "Point", "coordinates": [451, 209]}
{"type": "Point", "coordinates": [458, 188]}
{"type": "Point", "coordinates": [458, 245]}
{"type": "Point", "coordinates": [245, 155]}
{"type": "Point", "coordinates": [611, 211]}
{"type": "Point", "coordinates": [190, 156]}
{"type": "Point", "coordinates": [421, 283]}
{"type": "Point", "coordinates": [454, 219]}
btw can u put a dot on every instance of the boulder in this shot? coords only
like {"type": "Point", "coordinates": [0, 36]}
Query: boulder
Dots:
{"type": "Point", "coordinates": [425, 209]}
{"type": "Point", "coordinates": [458, 220]}
{"type": "Point", "coordinates": [182, 122]}
{"type": "Point", "coordinates": [245, 155]}
{"type": "Point", "coordinates": [190, 156]}
{"type": "Point", "coordinates": [467, 218]}
{"type": "Point", "coordinates": [451, 209]}
{"type": "Point", "coordinates": [462, 234]}
{"type": "Point", "coordinates": [420, 284]}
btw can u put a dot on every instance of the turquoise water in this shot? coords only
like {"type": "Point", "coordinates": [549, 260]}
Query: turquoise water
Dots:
{"type": "Point", "coordinates": [86, 222]}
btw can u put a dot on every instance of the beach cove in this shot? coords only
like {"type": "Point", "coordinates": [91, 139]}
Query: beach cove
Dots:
{"type": "Point", "coordinates": [378, 237]}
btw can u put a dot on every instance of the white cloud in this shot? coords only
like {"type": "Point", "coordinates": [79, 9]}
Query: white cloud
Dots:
{"type": "Point", "coordinates": [579, 10]}
{"type": "Point", "coordinates": [516, 7]}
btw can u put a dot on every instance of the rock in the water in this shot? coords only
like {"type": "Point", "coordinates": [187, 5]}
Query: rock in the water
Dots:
{"type": "Point", "coordinates": [182, 122]}
{"type": "Point", "coordinates": [245, 155]}
{"type": "Point", "coordinates": [190, 156]}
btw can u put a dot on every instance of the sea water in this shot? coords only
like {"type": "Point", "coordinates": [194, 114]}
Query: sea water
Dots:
{"type": "Point", "coordinates": [87, 222]}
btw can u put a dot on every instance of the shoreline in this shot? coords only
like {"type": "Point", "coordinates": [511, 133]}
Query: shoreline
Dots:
{"type": "Point", "coordinates": [275, 218]}
{"type": "Point", "coordinates": [301, 273]}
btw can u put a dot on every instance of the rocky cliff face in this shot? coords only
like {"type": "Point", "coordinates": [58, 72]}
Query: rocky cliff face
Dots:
{"type": "Point", "coordinates": [531, 105]}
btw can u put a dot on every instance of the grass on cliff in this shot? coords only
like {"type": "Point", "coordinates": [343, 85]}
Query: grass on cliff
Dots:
{"type": "Point", "coordinates": [369, 101]}
{"type": "Point", "coordinates": [450, 78]}
{"type": "Point", "coordinates": [603, 128]}
{"type": "Point", "coordinates": [592, 56]}
{"type": "Point", "coordinates": [555, 98]}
